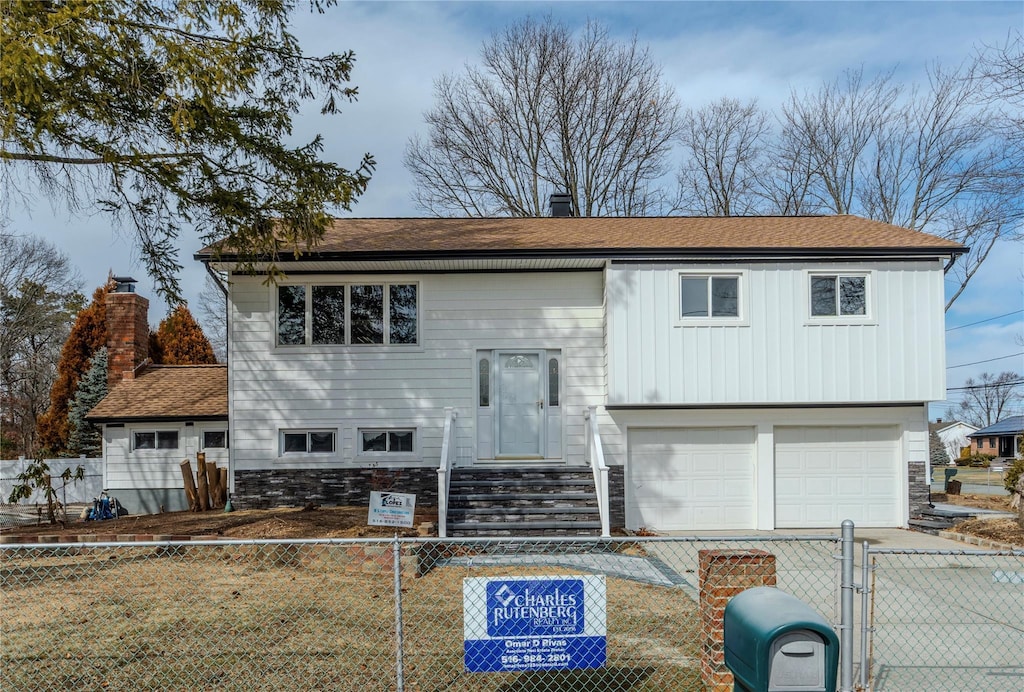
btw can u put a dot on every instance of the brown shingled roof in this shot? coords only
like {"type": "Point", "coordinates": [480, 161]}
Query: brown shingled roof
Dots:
{"type": "Point", "coordinates": [354, 236]}
{"type": "Point", "coordinates": [177, 392]}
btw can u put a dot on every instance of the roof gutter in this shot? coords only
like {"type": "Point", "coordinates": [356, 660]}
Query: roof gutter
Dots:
{"type": "Point", "coordinates": [596, 253]}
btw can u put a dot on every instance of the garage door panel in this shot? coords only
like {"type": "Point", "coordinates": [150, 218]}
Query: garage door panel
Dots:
{"type": "Point", "coordinates": [825, 474]}
{"type": "Point", "coordinates": [691, 478]}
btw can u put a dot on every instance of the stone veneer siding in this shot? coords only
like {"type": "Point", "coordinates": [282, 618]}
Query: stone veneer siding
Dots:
{"type": "Point", "coordinates": [917, 487]}
{"type": "Point", "coordinates": [299, 487]}
{"type": "Point", "coordinates": [330, 487]}
{"type": "Point", "coordinates": [617, 496]}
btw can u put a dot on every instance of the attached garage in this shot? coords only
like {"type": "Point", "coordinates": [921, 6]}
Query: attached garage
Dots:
{"type": "Point", "coordinates": [684, 479]}
{"type": "Point", "coordinates": [825, 474]}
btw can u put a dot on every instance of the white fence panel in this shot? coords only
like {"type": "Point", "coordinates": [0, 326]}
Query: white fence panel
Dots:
{"type": "Point", "coordinates": [77, 492]}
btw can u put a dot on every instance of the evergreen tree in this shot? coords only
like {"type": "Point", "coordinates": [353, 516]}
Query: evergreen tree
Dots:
{"type": "Point", "coordinates": [83, 436]}
{"type": "Point", "coordinates": [179, 340]}
{"type": "Point", "coordinates": [169, 115]}
{"type": "Point", "coordinates": [88, 335]}
{"type": "Point", "coordinates": [936, 450]}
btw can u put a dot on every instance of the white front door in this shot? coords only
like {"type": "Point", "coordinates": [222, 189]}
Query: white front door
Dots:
{"type": "Point", "coordinates": [520, 383]}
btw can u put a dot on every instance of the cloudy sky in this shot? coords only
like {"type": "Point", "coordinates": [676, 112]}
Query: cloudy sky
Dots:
{"type": "Point", "coordinates": [706, 49]}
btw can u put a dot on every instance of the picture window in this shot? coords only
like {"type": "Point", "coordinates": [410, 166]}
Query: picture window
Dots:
{"type": "Point", "coordinates": [348, 314]}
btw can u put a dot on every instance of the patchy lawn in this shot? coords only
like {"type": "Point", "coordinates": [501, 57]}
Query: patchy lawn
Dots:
{"type": "Point", "coordinates": [318, 522]}
{"type": "Point", "coordinates": [350, 522]}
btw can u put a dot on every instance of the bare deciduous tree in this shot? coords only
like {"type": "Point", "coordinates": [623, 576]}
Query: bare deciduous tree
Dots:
{"type": "Point", "coordinates": [213, 315]}
{"type": "Point", "coordinates": [834, 128]}
{"type": "Point", "coordinates": [39, 295]}
{"type": "Point", "coordinates": [725, 158]}
{"type": "Point", "coordinates": [989, 399]}
{"type": "Point", "coordinates": [937, 159]}
{"type": "Point", "coordinates": [547, 112]}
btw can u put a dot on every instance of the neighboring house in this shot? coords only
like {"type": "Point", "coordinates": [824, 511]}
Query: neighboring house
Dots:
{"type": "Point", "coordinates": [154, 416]}
{"type": "Point", "coordinates": [954, 436]}
{"type": "Point", "coordinates": [745, 373]}
{"type": "Point", "coordinates": [1001, 440]}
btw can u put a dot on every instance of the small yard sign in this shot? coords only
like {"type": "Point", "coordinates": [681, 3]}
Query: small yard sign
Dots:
{"type": "Point", "coordinates": [391, 509]}
{"type": "Point", "coordinates": [534, 623]}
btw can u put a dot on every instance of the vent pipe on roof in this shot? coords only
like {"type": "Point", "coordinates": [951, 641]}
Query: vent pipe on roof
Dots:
{"type": "Point", "coordinates": [561, 204]}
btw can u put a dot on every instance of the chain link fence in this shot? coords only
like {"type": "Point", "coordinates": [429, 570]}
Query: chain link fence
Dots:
{"type": "Point", "coordinates": [942, 620]}
{"type": "Point", "coordinates": [336, 614]}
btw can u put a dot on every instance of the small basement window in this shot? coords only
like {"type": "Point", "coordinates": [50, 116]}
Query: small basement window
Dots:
{"type": "Point", "coordinates": [308, 442]}
{"type": "Point", "coordinates": [154, 439]}
{"type": "Point", "coordinates": [387, 441]}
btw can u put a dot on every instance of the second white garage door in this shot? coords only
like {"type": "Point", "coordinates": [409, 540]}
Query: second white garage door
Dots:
{"type": "Point", "coordinates": [824, 475]}
{"type": "Point", "coordinates": [683, 479]}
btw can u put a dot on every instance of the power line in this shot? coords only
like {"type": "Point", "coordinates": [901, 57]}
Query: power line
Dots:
{"type": "Point", "coordinates": [985, 386]}
{"type": "Point", "coordinates": [997, 317]}
{"type": "Point", "coordinates": [978, 362]}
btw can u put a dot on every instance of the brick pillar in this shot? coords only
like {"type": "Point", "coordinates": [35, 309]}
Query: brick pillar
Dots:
{"type": "Point", "coordinates": [723, 574]}
{"type": "Point", "coordinates": [127, 335]}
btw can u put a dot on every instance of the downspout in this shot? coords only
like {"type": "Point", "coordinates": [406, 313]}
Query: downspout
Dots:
{"type": "Point", "coordinates": [216, 279]}
{"type": "Point", "coordinates": [227, 358]}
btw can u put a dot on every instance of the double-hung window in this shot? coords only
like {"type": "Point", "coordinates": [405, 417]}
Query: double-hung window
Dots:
{"type": "Point", "coordinates": [839, 295]}
{"type": "Point", "coordinates": [348, 314]}
{"type": "Point", "coordinates": [710, 298]}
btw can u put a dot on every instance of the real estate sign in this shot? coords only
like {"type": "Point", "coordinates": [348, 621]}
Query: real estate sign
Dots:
{"type": "Point", "coordinates": [391, 509]}
{"type": "Point", "coordinates": [534, 623]}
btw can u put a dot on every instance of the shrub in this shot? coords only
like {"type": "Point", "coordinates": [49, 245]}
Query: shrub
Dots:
{"type": "Point", "coordinates": [1012, 474]}
{"type": "Point", "coordinates": [977, 460]}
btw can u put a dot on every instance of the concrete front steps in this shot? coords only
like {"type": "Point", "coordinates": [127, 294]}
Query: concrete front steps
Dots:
{"type": "Point", "coordinates": [525, 501]}
{"type": "Point", "coordinates": [934, 520]}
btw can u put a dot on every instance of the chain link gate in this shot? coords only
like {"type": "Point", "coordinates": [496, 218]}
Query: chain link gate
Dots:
{"type": "Point", "coordinates": [942, 620]}
{"type": "Point", "coordinates": [336, 614]}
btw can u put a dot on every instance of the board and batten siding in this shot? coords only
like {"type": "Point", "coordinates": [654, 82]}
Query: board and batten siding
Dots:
{"type": "Point", "coordinates": [345, 388]}
{"type": "Point", "coordinates": [777, 355]}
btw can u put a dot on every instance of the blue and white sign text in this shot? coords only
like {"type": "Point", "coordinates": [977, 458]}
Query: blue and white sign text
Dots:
{"type": "Point", "coordinates": [534, 623]}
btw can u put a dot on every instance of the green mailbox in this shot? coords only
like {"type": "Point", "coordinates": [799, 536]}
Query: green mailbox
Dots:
{"type": "Point", "coordinates": [774, 642]}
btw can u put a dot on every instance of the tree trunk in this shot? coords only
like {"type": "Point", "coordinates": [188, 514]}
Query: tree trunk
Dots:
{"type": "Point", "coordinates": [191, 496]}
{"type": "Point", "coordinates": [204, 487]}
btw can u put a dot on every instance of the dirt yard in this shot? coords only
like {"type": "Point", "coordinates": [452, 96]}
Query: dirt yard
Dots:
{"type": "Point", "coordinates": [311, 522]}
{"type": "Point", "coordinates": [350, 522]}
{"type": "Point", "coordinates": [1002, 530]}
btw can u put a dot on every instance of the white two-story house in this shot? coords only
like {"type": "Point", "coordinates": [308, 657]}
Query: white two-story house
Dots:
{"type": "Point", "coordinates": [741, 373]}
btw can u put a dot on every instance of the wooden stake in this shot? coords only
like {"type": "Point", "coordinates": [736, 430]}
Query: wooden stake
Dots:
{"type": "Point", "coordinates": [191, 496]}
{"type": "Point", "coordinates": [204, 488]}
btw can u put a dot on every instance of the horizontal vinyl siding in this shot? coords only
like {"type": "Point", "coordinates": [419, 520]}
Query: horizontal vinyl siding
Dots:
{"type": "Point", "coordinates": [776, 357]}
{"type": "Point", "coordinates": [344, 388]}
{"type": "Point", "coordinates": [155, 469]}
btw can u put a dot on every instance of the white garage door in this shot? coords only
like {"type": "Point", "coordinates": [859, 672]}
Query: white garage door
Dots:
{"type": "Point", "coordinates": [685, 479]}
{"type": "Point", "coordinates": [824, 475]}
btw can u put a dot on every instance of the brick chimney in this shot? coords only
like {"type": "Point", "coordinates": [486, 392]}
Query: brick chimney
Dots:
{"type": "Point", "coordinates": [127, 331]}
